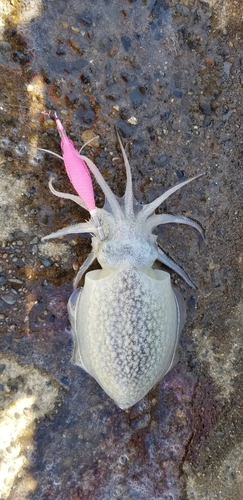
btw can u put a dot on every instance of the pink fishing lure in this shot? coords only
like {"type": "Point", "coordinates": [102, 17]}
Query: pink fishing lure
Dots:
{"type": "Point", "coordinates": [76, 168]}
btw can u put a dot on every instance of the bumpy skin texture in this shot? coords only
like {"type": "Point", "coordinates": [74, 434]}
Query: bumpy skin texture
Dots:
{"type": "Point", "coordinates": [126, 329]}
{"type": "Point", "coordinates": [126, 321]}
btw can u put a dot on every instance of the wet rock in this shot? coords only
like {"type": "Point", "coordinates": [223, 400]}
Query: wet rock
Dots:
{"type": "Point", "coordinates": [206, 108]}
{"type": "Point", "coordinates": [34, 241]}
{"type": "Point", "coordinates": [112, 96]}
{"type": "Point", "coordinates": [139, 148]}
{"type": "Point", "coordinates": [85, 114]}
{"type": "Point", "coordinates": [126, 42]}
{"type": "Point", "coordinates": [90, 34]}
{"type": "Point", "coordinates": [160, 161]}
{"type": "Point", "coordinates": [85, 19]}
{"type": "Point", "coordinates": [65, 381]}
{"type": "Point", "coordinates": [21, 57]}
{"type": "Point", "coordinates": [22, 148]}
{"type": "Point", "coordinates": [207, 122]}
{"type": "Point", "coordinates": [106, 43]}
{"type": "Point", "coordinates": [88, 136]}
{"type": "Point", "coordinates": [111, 80]}
{"type": "Point", "coordinates": [45, 261]}
{"type": "Point", "coordinates": [124, 129]}
{"type": "Point", "coordinates": [227, 67]}
{"type": "Point", "coordinates": [71, 98]}
{"type": "Point", "coordinates": [9, 299]}
{"type": "Point", "coordinates": [15, 281]}
{"type": "Point", "coordinates": [165, 115]}
{"type": "Point", "coordinates": [180, 174]}
{"type": "Point", "coordinates": [60, 51]}
{"type": "Point", "coordinates": [5, 46]}
{"type": "Point", "coordinates": [136, 97]}
{"type": "Point", "coordinates": [141, 422]}
{"type": "Point", "coordinates": [182, 10]}
{"type": "Point", "coordinates": [75, 46]}
{"type": "Point", "coordinates": [158, 7]}
{"type": "Point", "coordinates": [61, 7]}
{"type": "Point", "coordinates": [85, 78]}
{"type": "Point", "coordinates": [132, 120]}
{"type": "Point", "coordinates": [122, 461]}
{"type": "Point", "coordinates": [61, 65]}
{"type": "Point", "coordinates": [226, 116]}
{"type": "Point", "coordinates": [177, 93]}
{"type": "Point", "coordinates": [129, 78]}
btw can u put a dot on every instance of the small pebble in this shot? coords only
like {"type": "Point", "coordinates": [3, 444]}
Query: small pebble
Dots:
{"type": "Point", "coordinates": [126, 42]}
{"type": "Point", "coordinates": [132, 120]}
{"type": "Point", "coordinates": [48, 124]}
{"type": "Point", "coordinates": [9, 299]}
{"type": "Point", "coordinates": [123, 460]}
{"type": "Point", "coordinates": [60, 51]}
{"type": "Point", "coordinates": [85, 78]}
{"type": "Point", "coordinates": [161, 160]}
{"type": "Point", "coordinates": [227, 115]}
{"type": "Point", "coordinates": [141, 422]}
{"type": "Point", "coordinates": [177, 93]}
{"type": "Point", "coordinates": [136, 97]}
{"type": "Point", "coordinates": [227, 66]}
{"type": "Point", "coordinates": [125, 129]}
{"type": "Point", "coordinates": [87, 135]}
{"type": "Point", "coordinates": [20, 57]}
{"type": "Point", "coordinates": [34, 241]}
{"type": "Point", "coordinates": [205, 107]}
{"type": "Point", "coordinates": [75, 30]}
{"type": "Point", "coordinates": [5, 46]}
{"type": "Point", "coordinates": [46, 262]}
{"type": "Point", "coordinates": [182, 10]}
